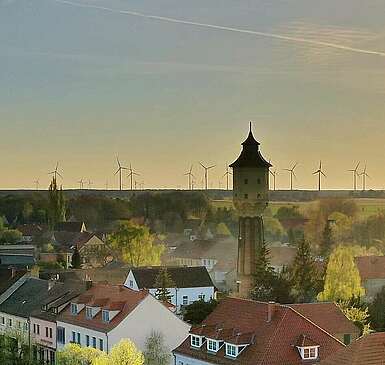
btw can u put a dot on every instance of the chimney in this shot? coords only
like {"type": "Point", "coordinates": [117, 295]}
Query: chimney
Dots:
{"type": "Point", "coordinates": [13, 272]}
{"type": "Point", "coordinates": [270, 311]}
{"type": "Point", "coordinates": [51, 284]}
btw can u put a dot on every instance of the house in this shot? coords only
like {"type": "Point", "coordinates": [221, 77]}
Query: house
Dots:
{"type": "Point", "coordinates": [105, 314]}
{"type": "Point", "coordinates": [191, 283]}
{"type": "Point", "coordinates": [329, 317]}
{"type": "Point", "coordinates": [74, 227]}
{"type": "Point", "coordinates": [372, 273]}
{"type": "Point", "coordinates": [368, 350]}
{"type": "Point", "coordinates": [31, 232]}
{"type": "Point", "coordinates": [241, 331]}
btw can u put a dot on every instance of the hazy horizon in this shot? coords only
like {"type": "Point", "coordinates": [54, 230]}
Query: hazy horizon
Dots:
{"type": "Point", "coordinates": [80, 85]}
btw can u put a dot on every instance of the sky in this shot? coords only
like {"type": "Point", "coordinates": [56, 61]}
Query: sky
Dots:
{"type": "Point", "coordinates": [168, 84]}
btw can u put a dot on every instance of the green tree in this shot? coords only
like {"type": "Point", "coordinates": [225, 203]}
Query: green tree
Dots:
{"type": "Point", "coordinates": [74, 354]}
{"type": "Point", "coordinates": [223, 230]}
{"type": "Point", "coordinates": [124, 353]}
{"type": "Point", "coordinates": [303, 274]}
{"type": "Point", "coordinates": [196, 312]}
{"type": "Point", "coordinates": [134, 244]}
{"type": "Point", "coordinates": [327, 241]}
{"type": "Point", "coordinates": [10, 236]}
{"type": "Point", "coordinates": [156, 351]}
{"type": "Point", "coordinates": [357, 314]}
{"type": "Point", "coordinates": [163, 281]}
{"type": "Point", "coordinates": [342, 281]}
{"type": "Point", "coordinates": [377, 311]}
{"type": "Point", "coordinates": [57, 206]}
{"type": "Point", "coordinates": [76, 260]}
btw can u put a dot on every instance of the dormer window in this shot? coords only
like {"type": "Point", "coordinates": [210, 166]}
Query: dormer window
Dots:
{"type": "Point", "coordinates": [231, 350]}
{"type": "Point", "coordinates": [74, 309]}
{"type": "Point", "coordinates": [106, 316]}
{"type": "Point", "coordinates": [212, 345]}
{"type": "Point", "coordinates": [89, 313]}
{"type": "Point", "coordinates": [196, 341]}
{"type": "Point", "coordinates": [308, 353]}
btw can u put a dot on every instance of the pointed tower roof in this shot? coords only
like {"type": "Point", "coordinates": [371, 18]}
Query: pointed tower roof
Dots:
{"type": "Point", "coordinates": [250, 155]}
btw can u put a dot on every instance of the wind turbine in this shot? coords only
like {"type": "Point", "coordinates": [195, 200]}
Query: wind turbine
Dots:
{"type": "Point", "coordinates": [119, 170]}
{"type": "Point", "coordinates": [292, 174]}
{"type": "Point", "coordinates": [320, 173]}
{"type": "Point", "coordinates": [274, 175]}
{"type": "Point", "coordinates": [190, 177]}
{"type": "Point", "coordinates": [364, 176]}
{"type": "Point", "coordinates": [81, 184]}
{"type": "Point", "coordinates": [37, 183]}
{"type": "Point", "coordinates": [131, 175]}
{"type": "Point", "coordinates": [227, 174]}
{"type": "Point", "coordinates": [89, 184]}
{"type": "Point", "coordinates": [355, 174]}
{"type": "Point", "coordinates": [207, 174]}
{"type": "Point", "coordinates": [55, 172]}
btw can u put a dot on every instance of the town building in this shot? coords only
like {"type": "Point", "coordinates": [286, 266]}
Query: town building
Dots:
{"type": "Point", "coordinates": [250, 197]}
{"type": "Point", "coordinates": [191, 283]}
{"type": "Point", "coordinates": [241, 331]}
{"type": "Point", "coordinates": [368, 350]}
{"type": "Point", "coordinates": [106, 314]}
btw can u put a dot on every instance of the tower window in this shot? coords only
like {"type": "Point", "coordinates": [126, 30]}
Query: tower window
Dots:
{"type": "Point", "coordinates": [246, 181]}
{"type": "Point", "coordinates": [258, 196]}
{"type": "Point", "coordinates": [259, 181]}
{"type": "Point", "coordinates": [246, 196]}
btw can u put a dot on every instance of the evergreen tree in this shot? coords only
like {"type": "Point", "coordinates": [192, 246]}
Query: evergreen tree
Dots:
{"type": "Point", "coordinates": [303, 275]}
{"type": "Point", "coordinates": [342, 281]}
{"type": "Point", "coordinates": [76, 259]}
{"type": "Point", "coordinates": [163, 281]}
{"type": "Point", "coordinates": [377, 312]}
{"type": "Point", "coordinates": [57, 206]}
{"type": "Point", "coordinates": [327, 240]}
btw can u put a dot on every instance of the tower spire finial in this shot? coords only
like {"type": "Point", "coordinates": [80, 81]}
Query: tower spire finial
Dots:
{"type": "Point", "coordinates": [250, 127]}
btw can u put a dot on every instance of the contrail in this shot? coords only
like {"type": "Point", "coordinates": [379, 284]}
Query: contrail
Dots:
{"type": "Point", "coordinates": [228, 29]}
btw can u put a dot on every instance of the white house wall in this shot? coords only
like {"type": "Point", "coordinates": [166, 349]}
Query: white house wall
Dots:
{"type": "Point", "coordinates": [41, 338]}
{"type": "Point", "coordinates": [185, 360]}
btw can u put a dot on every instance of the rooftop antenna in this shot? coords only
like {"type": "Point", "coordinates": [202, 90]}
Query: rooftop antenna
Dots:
{"type": "Point", "coordinates": [292, 174]}
{"type": "Point", "coordinates": [320, 173]}
{"type": "Point", "coordinates": [364, 176]}
{"type": "Point", "coordinates": [206, 168]}
{"type": "Point", "coordinates": [131, 175]}
{"type": "Point", "coordinates": [119, 170]}
{"type": "Point", "coordinates": [227, 174]}
{"type": "Point", "coordinates": [190, 177]}
{"type": "Point", "coordinates": [55, 172]}
{"type": "Point", "coordinates": [355, 174]}
{"type": "Point", "coordinates": [81, 184]}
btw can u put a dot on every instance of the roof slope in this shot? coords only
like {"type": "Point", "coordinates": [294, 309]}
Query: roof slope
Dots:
{"type": "Point", "coordinates": [112, 297]}
{"type": "Point", "coordinates": [274, 341]}
{"type": "Point", "coordinates": [368, 350]}
{"type": "Point", "coordinates": [8, 277]}
{"type": "Point", "coordinates": [371, 267]}
{"type": "Point", "coordinates": [183, 277]}
{"type": "Point", "coordinates": [69, 226]}
{"type": "Point", "coordinates": [328, 316]}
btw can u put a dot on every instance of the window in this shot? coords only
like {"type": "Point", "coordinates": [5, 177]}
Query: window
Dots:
{"type": "Point", "coordinates": [347, 339]}
{"type": "Point", "coordinates": [78, 338]}
{"type": "Point", "coordinates": [246, 181]}
{"type": "Point", "coordinates": [106, 316]}
{"type": "Point", "coordinates": [74, 309]}
{"type": "Point", "coordinates": [309, 352]}
{"type": "Point", "coordinates": [231, 350]}
{"type": "Point", "coordinates": [246, 196]}
{"type": "Point", "coordinates": [46, 332]}
{"type": "Point", "coordinates": [34, 328]}
{"type": "Point", "coordinates": [9, 322]}
{"type": "Point", "coordinates": [185, 300]}
{"type": "Point", "coordinates": [38, 329]}
{"type": "Point", "coordinates": [73, 337]}
{"type": "Point", "coordinates": [201, 297]}
{"type": "Point", "coordinates": [18, 324]}
{"type": "Point", "coordinates": [195, 341]}
{"type": "Point", "coordinates": [131, 283]}
{"type": "Point", "coordinates": [212, 345]}
{"type": "Point", "coordinates": [61, 335]}
{"type": "Point", "coordinates": [94, 342]}
{"type": "Point", "coordinates": [2, 321]}
{"type": "Point", "coordinates": [89, 312]}
{"type": "Point", "coordinates": [50, 333]}
{"type": "Point", "coordinates": [101, 344]}
{"type": "Point", "coordinates": [87, 340]}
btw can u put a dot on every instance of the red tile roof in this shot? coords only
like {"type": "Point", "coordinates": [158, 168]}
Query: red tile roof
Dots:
{"type": "Point", "coordinates": [271, 342]}
{"type": "Point", "coordinates": [305, 341]}
{"type": "Point", "coordinates": [328, 316]}
{"type": "Point", "coordinates": [371, 267]}
{"type": "Point", "coordinates": [112, 297]}
{"type": "Point", "coordinates": [368, 350]}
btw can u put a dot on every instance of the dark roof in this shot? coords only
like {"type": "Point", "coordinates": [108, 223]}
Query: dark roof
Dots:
{"type": "Point", "coordinates": [328, 316]}
{"type": "Point", "coordinates": [371, 267]}
{"type": "Point", "coordinates": [69, 226]}
{"type": "Point", "coordinates": [183, 277]}
{"type": "Point", "coordinates": [368, 350]}
{"type": "Point", "coordinates": [31, 229]}
{"type": "Point", "coordinates": [72, 239]}
{"type": "Point", "coordinates": [28, 250]}
{"type": "Point", "coordinates": [250, 155]}
{"type": "Point", "coordinates": [19, 260]}
{"type": "Point", "coordinates": [8, 277]}
{"type": "Point", "coordinates": [269, 342]}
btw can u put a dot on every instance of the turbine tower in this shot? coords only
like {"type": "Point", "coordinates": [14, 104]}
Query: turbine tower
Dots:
{"type": "Point", "coordinates": [320, 173]}
{"type": "Point", "coordinates": [292, 174]}
{"type": "Point", "coordinates": [364, 176]}
{"type": "Point", "coordinates": [227, 175]}
{"type": "Point", "coordinates": [190, 177]}
{"type": "Point", "coordinates": [274, 175]}
{"type": "Point", "coordinates": [131, 175]}
{"type": "Point", "coordinates": [119, 171]}
{"type": "Point", "coordinates": [37, 184]}
{"type": "Point", "coordinates": [355, 174]}
{"type": "Point", "coordinates": [55, 173]}
{"type": "Point", "coordinates": [206, 168]}
{"type": "Point", "coordinates": [81, 184]}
